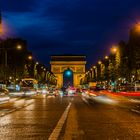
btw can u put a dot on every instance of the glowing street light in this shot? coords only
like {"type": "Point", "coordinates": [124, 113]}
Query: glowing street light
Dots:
{"type": "Point", "coordinates": [30, 57]}
{"type": "Point", "coordinates": [37, 63]}
{"type": "Point", "coordinates": [137, 27]}
{"type": "Point", "coordinates": [114, 49]}
{"type": "Point", "coordinates": [10, 77]}
{"type": "Point", "coordinates": [106, 57]}
{"type": "Point", "coordinates": [99, 62]}
{"type": "Point", "coordinates": [19, 47]}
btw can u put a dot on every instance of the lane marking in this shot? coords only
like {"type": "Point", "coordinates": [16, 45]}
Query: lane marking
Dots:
{"type": "Point", "coordinates": [136, 111]}
{"type": "Point", "coordinates": [135, 100]}
{"type": "Point", "coordinates": [71, 130]}
{"type": "Point", "coordinates": [85, 100]}
{"type": "Point", "coordinates": [55, 133]}
{"type": "Point", "coordinates": [72, 99]}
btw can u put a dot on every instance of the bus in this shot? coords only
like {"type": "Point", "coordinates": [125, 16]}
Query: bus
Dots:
{"type": "Point", "coordinates": [29, 83]}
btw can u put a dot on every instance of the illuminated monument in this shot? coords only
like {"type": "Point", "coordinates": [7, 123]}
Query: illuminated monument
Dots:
{"type": "Point", "coordinates": [61, 63]}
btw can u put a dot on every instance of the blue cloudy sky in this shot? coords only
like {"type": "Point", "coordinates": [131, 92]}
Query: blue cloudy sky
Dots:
{"type": "Point", "coordinates": [86, 27]}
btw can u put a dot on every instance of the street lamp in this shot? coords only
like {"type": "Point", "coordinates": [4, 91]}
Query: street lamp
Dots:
{"type": "Point", "coordinates": [37, 63]}
{"type": "Point", "coordinates": [137, 28]}
{"type": "Point", "coordinates": [99, 62]}
{"type": "Point", "coordinates": [35, 69]}
{"type": "Point", "coordinates": [19, 47]}
{"type": "Point", "coordinates": [106, 57]}
{"type": "Point", "coordinates": [94, 67]}
{"type": "Point", "coordinates": [114, 49]}
{"type": "Point", "coordinates": [30, 57]}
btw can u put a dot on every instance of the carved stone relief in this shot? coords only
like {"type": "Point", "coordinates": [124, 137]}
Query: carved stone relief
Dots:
{"type": "Point", "coordinates": [56, 69]}
{"type": "Point", "coordinates": [79, 69]}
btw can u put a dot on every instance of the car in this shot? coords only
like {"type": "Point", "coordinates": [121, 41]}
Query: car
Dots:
{"type": "Point", "coordinates": [29, 92]}
{"type": "Point", "coordinates": [4, 96]}
{"type": "Point", "coordinates": [13, 92]}
{"type": "Point", "coordinates": [93, 93]}
{"type": "Point", "coordinates": [71, 91]}
{"type": "Point", "coordinates": [137, 85]}
{"type": "Point", "coordinates": [53, 92]}
{"type": "Point", "coordinates": [45, 91]}
{"type": "Point", "coordinates": [50, 95]}
{"type": "Point", "coordinates": [78, 90]}
{"type": "Point", "coordinates": [42, 91]}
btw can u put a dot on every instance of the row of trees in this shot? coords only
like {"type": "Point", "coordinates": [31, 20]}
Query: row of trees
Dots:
{"type": "Point", "coordinates": [123, 63]}
{"type": "Point", "coordinates": [16, 62]}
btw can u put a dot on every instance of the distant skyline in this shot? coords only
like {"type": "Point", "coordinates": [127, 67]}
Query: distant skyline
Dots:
{"type": "Point", "coordinates": [88, 27]}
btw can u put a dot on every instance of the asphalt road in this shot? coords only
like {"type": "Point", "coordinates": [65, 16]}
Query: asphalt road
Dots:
{"type": "Point", "coordinates": [101, 121]}
{"type": "Point", "coordinates": [69, 118]}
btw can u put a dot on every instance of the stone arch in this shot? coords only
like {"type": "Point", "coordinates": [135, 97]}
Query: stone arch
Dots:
{"type": "Point", "coordinates": [68, 67]}
{"type": "Point", "coordinates": [61, 63]}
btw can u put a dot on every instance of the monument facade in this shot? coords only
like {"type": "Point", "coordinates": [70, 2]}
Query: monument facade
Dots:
{"type": "Point", "coordinates": [73, 62]}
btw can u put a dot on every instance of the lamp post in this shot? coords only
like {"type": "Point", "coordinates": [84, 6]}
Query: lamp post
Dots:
{"type": "Point", "coordinates": [99, 62]}
{"type": "Point", "coordinates": [114, 49]}
{"type": "Point", "coordinates": [30, 65]}
{"type": "Point", "coordinates": [35, 70]}
{"type": "Point", "coordinates": [18, 47]}
{"type": "Point", "coordinates": [106, 64]}
{"type": "Point", "coordinates": [99, 70]}
{"type": "Point", "coordinates": [106, 57]}
{"type": "Point", "coordinates": [30, 57]}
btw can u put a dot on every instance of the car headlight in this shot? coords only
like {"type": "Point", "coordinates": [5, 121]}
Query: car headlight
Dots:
{"type": "Point", "coordinates": [44, 91]}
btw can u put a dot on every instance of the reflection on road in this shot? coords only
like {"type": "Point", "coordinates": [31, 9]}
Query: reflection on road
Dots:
{"type": "Point", "coordinates": [88, 117]}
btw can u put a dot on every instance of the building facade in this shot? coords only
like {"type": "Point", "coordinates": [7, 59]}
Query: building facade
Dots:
{"type": "Point", "coordinates": [61, 63]}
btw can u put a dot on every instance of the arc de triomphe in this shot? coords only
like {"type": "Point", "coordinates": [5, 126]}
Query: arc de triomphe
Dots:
{"type": "Point", "coordinates": [63, 62]}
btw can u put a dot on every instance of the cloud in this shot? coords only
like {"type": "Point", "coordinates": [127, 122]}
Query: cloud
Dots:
{"type": "Point", "coordinates": [76, 26]}
{"type": "Point", "coordinates": [17, 6]}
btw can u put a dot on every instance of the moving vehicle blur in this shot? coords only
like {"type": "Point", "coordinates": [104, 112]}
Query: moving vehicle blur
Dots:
{"type": "Point", "coordinates": [29, 92]}
{"type": "Point", "coordinates": [71, 91]}
{"type": "Point", "coordinates": [15, 93]}
{"type": "Point", "coordinates": [4, 95]}
{"type": "Point", "coordinates": [42, 89]}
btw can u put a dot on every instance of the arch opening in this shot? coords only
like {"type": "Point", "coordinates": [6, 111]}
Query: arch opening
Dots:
{"type": "Point", "coordinates": [67, 78]}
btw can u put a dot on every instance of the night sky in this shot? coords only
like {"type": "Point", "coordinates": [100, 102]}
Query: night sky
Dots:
{"type": "Point", "coordinates": [88, 27]}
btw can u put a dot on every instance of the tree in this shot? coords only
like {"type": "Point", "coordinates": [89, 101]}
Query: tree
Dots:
{"type": "Point", "coordinates": [111, 68]}
{"type": "Point", "coordinates": [134, 51]}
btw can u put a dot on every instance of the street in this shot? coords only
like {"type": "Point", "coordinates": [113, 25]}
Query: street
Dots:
{"type": "Point", "coordinates": [41, 117]}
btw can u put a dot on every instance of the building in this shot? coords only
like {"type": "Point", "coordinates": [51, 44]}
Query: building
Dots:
{"type": "Point", "coordinates": [134, 51]}
{"type": "Point", "coordinates": [62, 63]}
